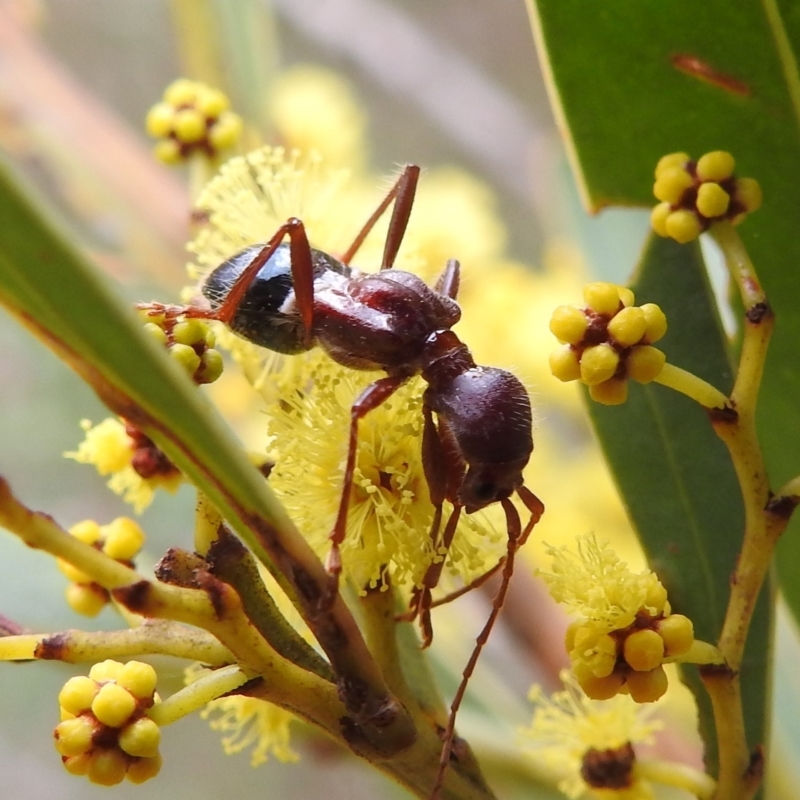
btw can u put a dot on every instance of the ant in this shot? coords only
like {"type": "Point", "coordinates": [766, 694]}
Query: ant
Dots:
{"type": "Point", "coordinates": [291, 297]}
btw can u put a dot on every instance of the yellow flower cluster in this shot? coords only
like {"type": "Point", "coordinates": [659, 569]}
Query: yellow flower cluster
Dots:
{"type": "Point", "coordinates": [626, 631]}
{"type": "Point", "coordinates": [695, 194]}
{"type": "Point", "coordinates": [390, 511]}
{"type": "Point", "coordinates": [105, 733]}
{"type": "Point", "coordinates": [136, 466]}
{"type": "Point", "coordinates": [121, 539]}
{"type": "Point", "coordinates": [192, 119]}
{"type": "Point", "coordinates": [190, 342]}
{"type": "Point", "coordinates": [571, 731]}
{"type": "Point", "coordinates": [607, 342]}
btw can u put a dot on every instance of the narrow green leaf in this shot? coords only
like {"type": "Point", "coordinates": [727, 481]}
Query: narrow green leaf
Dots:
{"type": "Point", "coordinates": [676, 477]}
{"type": "Point", "coordinates": [641, 78]}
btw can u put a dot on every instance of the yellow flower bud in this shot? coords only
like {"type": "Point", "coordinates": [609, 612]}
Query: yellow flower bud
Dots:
{"type": "Point", "coordinates": [138, 678]}
{"type": "Point", "coordinates": [107, 767]}
{"type": "Point", "coordinates": [181, 92]}
{"type": "Point", "coordinates": [211, 102]}
{"type": "Point", "coordinates": [87, 599]}
{"type": "Point", "coordinates": [598, 364]}
{"type": "Point", "coordinates": [190, 331]}
{"type": "Point", "coordinates": [643, 650]}
{"type": "Point", "coordinates": [628, 326]}
{"type": "Point", "coordinates": [71, 572]}
{"type": "Point", "coordinates": [140, 738]}
{"type": "Point", "coordinates": [87, 531]}
{"type": "Point", "coordinates": [647, 687]}
{"type": "Point", "coordinates": [677, 631]}
{"type": "Point", "coordinates": [123, 539]}
{"type": "Point", "coordinates": [656, 598]}
{"type": "Point", "coordinates": [658, 218]}
{"type": "Point", "coordinates": [189, 126]}
{"type": "Point", "coordinates": [715, 166]}
{"type": "Point", "coordinates": [564, 364]}
{"type": "Point", "coordinates": [712, 200]}
{"type": "Point", "coordinates": [74, 736]}
{"type": "Point", "coordinates": [144, 768]}
{"type": "Point", "coordinates": [656, 322]}
{"type": "Point", "coordinates": [613, 392]}
{"type": "Point", "coordinates": [671, 184]}
{"type": "Point", "coordinates": [156, 331]}
{"type": "Point", "coordinates": [602, 297]}
{"type": "Point", "coordinates": [107, 670]}
{"type": "Point", "coordinates": [568, 324]}
{"type": "Point", "coordinates": [225, 132]}
{"type": "Point", "coordinates": [167, 151]}
{"type": "Point", "coordinates": [77, 694]}
{"type": "Point", "coordinates": [186, 357]}
{"type": "Point", "coordinates": [113, 705]}
{"type": "Point", "coordinates": [683, 226]}
{"type": "Point", "coordinates": [748, 193]}
{"type": "Point", "coordinates": [211, 367]}
{"type": "Point", "coordinates": [77, 765]}
{"type": "Point", "coordinates": [600, 688]}
{"type": "Point", "coordinates": [672, 160]}
{"type": "Point", "coordinates": [159, 119]}
{"type": "Point", "coordinates": [644, 363]}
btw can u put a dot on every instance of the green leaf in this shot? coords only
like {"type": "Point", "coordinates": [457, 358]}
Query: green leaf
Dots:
{"type": "Point", "coordinates": [46, 283]}
{"type": "Point", "coordinates": [614, 73]}
{"type": "Point", "coordinates": [676, 477]}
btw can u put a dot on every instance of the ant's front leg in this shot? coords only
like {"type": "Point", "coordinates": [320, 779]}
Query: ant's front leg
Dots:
{"type": "Point", "coordinates": [374, 395]}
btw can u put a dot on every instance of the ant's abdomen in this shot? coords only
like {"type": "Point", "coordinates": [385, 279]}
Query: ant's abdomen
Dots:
{"type": "Point", "coordinates": [266, 315]}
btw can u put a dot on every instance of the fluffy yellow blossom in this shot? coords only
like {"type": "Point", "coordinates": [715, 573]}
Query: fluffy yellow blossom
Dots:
{"type": "Point", "coordinates": [137, 468]}
{"type": "Point", "coordinates": [390, 511]}
{"type": "Point", "coordinates": [314, 108]}
{"type": "Point", "coordinates": [573, 735]}
{"type": "Point", "coordinates": [625, 631]}
{"type": "Point", "coordinates": [248, 722]}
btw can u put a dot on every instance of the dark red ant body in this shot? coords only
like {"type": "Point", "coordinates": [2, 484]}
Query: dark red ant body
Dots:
{"type": "Point", "coordinates": [290, 297]}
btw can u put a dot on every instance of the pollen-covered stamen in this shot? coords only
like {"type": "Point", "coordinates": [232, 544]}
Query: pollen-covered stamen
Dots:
{"type": "Point", "coordinates": [694, 195]}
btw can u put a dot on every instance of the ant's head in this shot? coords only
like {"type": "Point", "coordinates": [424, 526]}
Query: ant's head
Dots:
{"type": "Point", "coordinates": [485, 484]}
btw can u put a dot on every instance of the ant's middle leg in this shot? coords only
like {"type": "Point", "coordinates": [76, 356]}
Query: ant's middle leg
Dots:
{"type": "Point", "coordinates": [402, 193]}
{"type": "Point", "coordinates": [374, 395]}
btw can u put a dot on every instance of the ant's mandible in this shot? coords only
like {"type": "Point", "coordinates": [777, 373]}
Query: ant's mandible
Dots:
{"type": "Point", "coordinates": [291, 297]}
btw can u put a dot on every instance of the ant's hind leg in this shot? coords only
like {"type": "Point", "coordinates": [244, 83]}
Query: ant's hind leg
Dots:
{"type": "Point", "coordinates": [403, 191]}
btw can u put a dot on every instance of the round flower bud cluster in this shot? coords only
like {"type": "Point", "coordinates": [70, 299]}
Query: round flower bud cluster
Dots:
{"type": "Point", "coordinates": [189, 341]}
{"type": "Point", "coordinates": [629, 660]}
{"type": "Point", "coordinates": [121, 539]}
{"type": "Point", "coordinates": [105, 733]}
{"type": "Point", "coordinates": [695, 194]}
{"type": "Point", "coordinates": [192, 119]}
{"type": "Point", "coordinates": [607, 342]}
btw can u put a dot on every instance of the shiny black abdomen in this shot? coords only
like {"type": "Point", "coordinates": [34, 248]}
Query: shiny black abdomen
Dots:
{"type": "Point", "coordinates": [267, 315]}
